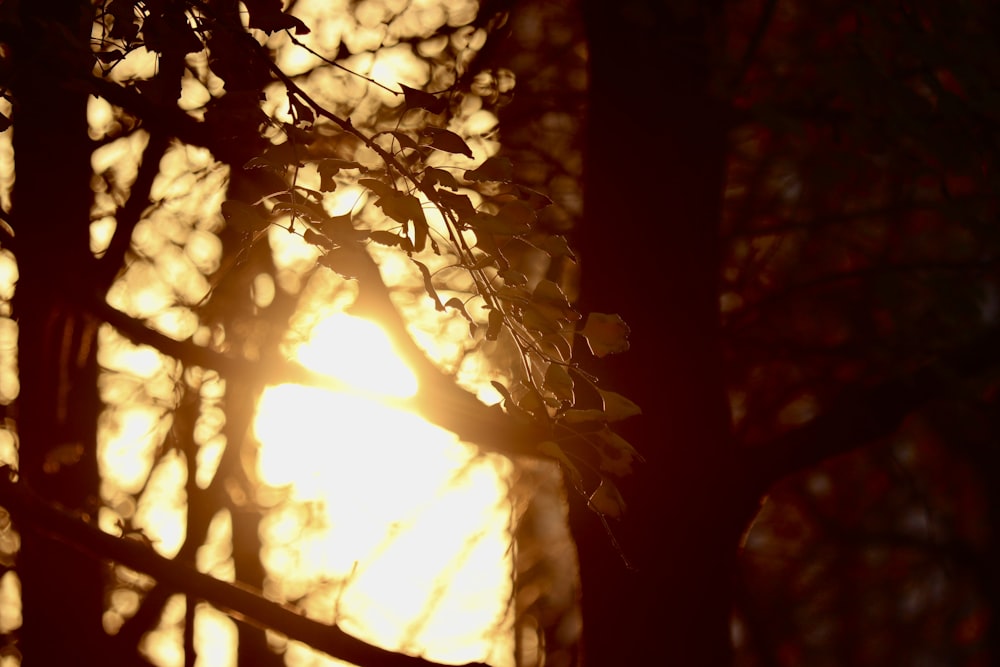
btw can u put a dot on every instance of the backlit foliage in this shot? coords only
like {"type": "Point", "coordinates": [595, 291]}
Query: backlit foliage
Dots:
{"type": "Point", "coordinates": [255, 172]}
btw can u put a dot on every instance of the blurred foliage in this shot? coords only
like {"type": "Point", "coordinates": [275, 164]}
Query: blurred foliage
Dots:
{"type": "Point", "coordinates": [861, 233]}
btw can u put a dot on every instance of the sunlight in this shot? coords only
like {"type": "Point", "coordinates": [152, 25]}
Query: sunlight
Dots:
{"type": "Point", "coordinates": [359, 353]}
{"type": "Point", "coordinates": [396, 530]}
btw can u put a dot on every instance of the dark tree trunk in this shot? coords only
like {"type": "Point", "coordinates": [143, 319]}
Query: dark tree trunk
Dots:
{"type": "Point", "coordinates": [58, 405]}
{"type": "Point", "coordinates": [656, 150]}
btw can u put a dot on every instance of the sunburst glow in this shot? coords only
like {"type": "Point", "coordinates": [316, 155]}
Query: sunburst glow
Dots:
{"type": "Point", "coordinates": [394, 529]}
{"type": "Point", "coordinates": [359, 353]}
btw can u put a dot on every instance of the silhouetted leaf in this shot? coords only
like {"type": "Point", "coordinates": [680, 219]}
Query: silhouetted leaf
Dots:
{"type": "Point", "coordinates": [556, 345]}
{"type": "Point", "coordinates": [419, 99]}
{"type": "Point", "coordinates": [607, 500]}
{"type": "Point", "coordinates": [535, 200]}
{"type": "Point", "coordinates": [243, 216]}
{"type": "Point", "coordinates": [583, 416]}
{"type": "Point", "coordinates": [303, 113]}
{"type": "Point", "coordinates": [329, 168]}
{"type": "Point", "coordinates": [537, 319]}
{"type": "Point", "coordinates": [533, 403]}
{"type": "Point", "coordinates": [605, 334]}
{"type": "Point", "coordinates": [460, 204]}
{"type": "Point", "coordinates": [266, 15]}
{"type": "Point", "coordinates": [514, 278]}
{"type": "Point", "coordinates": [494, 169]}
{"type": "Point", "coordinates": [317, 239]}
{"type": "Point", "coordinates": [447, 141]}
{"type": "Point", "coordinates": [345, 261]}
{"type": "Point", "coordinates": [555, 246]}
{"type": "Point", "coordinates": [457, 304]}
{"type": "Point", "coordinates": [170, 33]}
{"type": "Point", "coordinates": [378, 187]}
{"type": "Point", "coordinates": [405, 140]}
{"type": "Point", "coordinates": [109, 57]}
{"type": "Point", "coordinates": [617, 407]}
{"type": "Point", "coordinates": [494, 325]}
{"type": "Point", "coordinates": [383, 237]}
{"type": "Point", "coordinates": [123, 25]}
{"type": "Point", "coordinates": [616, 453]}
{"type": "Point", "coordinates": [554, 451]}
{"type": "Point", "coordinates": [441, 177]}
{"type": "Point", "coordinates": [429, 285]}
{"type": "Point", "coordinates": [560, 383]}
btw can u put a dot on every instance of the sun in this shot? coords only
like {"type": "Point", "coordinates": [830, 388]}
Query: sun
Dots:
{"type": "Point", "coordinates": [393, 528]}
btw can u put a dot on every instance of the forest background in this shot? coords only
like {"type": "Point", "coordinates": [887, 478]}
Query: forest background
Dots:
{"type": "Point", "coordinates": [792, 206]}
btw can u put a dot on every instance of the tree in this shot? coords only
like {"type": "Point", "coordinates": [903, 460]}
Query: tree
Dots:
{"type": "Point", "coordinates": [201, 98]}
{"type": "Point", "coordinates": [799, 235]}
{"type": "Point", "coordinates": [852, 253]}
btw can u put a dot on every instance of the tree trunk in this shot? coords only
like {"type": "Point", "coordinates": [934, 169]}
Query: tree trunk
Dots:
{"type": "Point", "coordinates": [58, 404]}
{"type": "Point", "coordinates": [649, 246]}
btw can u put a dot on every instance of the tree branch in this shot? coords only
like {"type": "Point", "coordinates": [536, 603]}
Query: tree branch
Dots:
{"type": "Point", "coordinates": [439, 400]}
{"type": "Point", "coordinates": [33, 514]}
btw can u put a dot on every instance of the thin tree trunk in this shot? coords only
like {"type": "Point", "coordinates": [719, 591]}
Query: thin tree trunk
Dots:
{"type": "Point", "coordinates": [656, 150]}
{"type": "Point", "coordinates": [58, 404]}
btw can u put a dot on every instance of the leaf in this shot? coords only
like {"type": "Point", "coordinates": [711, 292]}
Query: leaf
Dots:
{"type": "Point", "coordinates": [170, 34]}
{"type": "Point", "coordinates": [582, 416]}
{"type": "Point", "coordinates": [502, 390]}
{"type": "Point", "coordinates": [537, 319]}
{"type": "Point", "coordinates": [123, 26]}
{"type": "Point", "coordinates": [428, 285]}
{"type": "Point", "coordinates": [518, 215]}
{"type": "Point", "coordinates": [405, 140]}
{"type": "Point", "coordinates": [108, 57]}
{"type": "Point", "coordinates": [556, 246]}
{"type": "Point", "coordinates": [317, 239]}
{"type": "Point", "coordinates": [549, 298]}
{"type": "Point", "coordinates": [390, 239]}
{"type": "Point", "coordinates": [514, 278]}
{"type": "Point", "coordinates": [557, 346]}
{"type": "Point", "coordinates": [536, 200]}
{"type": "Point", "coordinates": [460, 204]}
{"type": "Point", "coordinates": [607, 500]}
{"type": "Point", "coordinates": [559, 382]}
{"type": "Point", "coordinates": [494, 169]}
{"type": "Point", "coordinates": [494, 325]}
{"type": "Point", "coordinates": [378, 187]}
{"type": "Point", "coordinates": [329, 168]}
{"type": "Point", "coordinates": [420, 99]}
{"type": "Point", "coordinates": [266, 15]}
{"type": "Point", "coordinates": [440, 176]}
{"type": "Point", "coordinates": [616, 453]}
{"type": "Point", "coordinates": [447, 141]}
{"type": "Point", "coordinates": [243, 216]}
{"type": "Point", "coordinates": [533, 403]}
{"type": "Point", "coordinates": [303, 112]}
{"type": "Point", "coordinates": [605, 334]}
{"type": "Point", "coordinates": [456, 304]}
{"type": "Point", "coordinates": [554, 451]}
{"type": "Point", "coordinates": [345, 261]}
{"type": "Point", "coordinates": [401, 207]}
{"type": "Point", "coordinates": [617, 407]}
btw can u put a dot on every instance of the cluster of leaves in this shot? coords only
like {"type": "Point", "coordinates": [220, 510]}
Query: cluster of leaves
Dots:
{"type": "Point", "coordinates": [472, 214]}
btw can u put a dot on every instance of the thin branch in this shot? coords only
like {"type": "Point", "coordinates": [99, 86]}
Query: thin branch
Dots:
{"type": "Point", "coordinates": [334, 63]}
{"type": "Point", "coordinates": [33, 514]}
